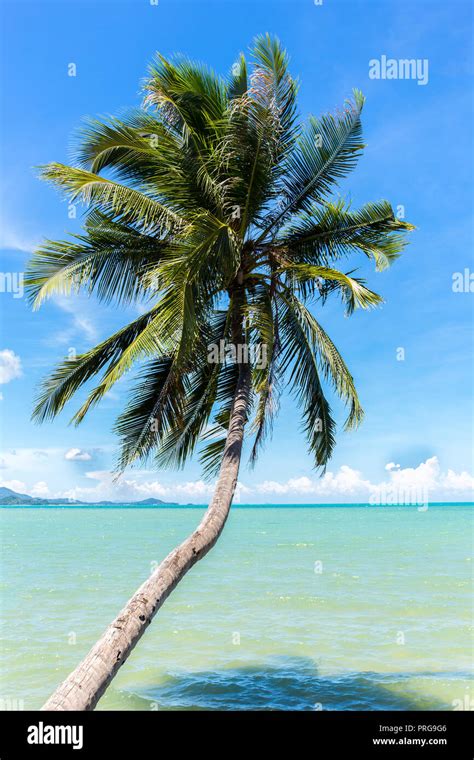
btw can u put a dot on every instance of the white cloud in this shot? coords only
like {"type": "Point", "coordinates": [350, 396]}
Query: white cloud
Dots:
{"type": "Point", "coordinates": [85, 326]}
{"type": "Point", "coordinates": [77, 306]}
{"type": "Point", "coordinates": [14, 485]}
{"type": "Point", "coordinates": [127, 489]}
{"type": "Point", "coordinates": [426, 475]}
{"type": "Point", "coordinates": [349, 485]}
{"type": "Point", "coordinates": [461, 481]}
{"type": "Point", "coordinates": [294, 485]}
{"type": "Point", "coordinates": [40, 489]}
{"type": "Point", "coordinates": [10, 366]}
{"type": "Point", "coordinates": [27, 460]}
{"type": "Point", "coordinates": [345, 485]}
{"type": "Point", "coordinates": [81, 325]}
{"type": "Point", "coordinates": [345, 481]}
{"type": "Point", "coordinates": [424, 482]}
{"type": "Point", "coordinates": [77, 455]}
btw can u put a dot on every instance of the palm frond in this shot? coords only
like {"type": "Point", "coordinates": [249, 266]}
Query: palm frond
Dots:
{"type": "Point", "coordinates": [130, 206]}
{"type": "Point", "coordinates": [332, 231]}
{"type": "Point", "coordinates": [326, 152]}
{"type": "Point", "coordinates": [120, 350]}
{"type": "Point", "coordinates": [276, 89]}
{"type": "Point", "coordinates": [299, 360]}
{"type": "Point", "coordinates": [312, 279]}
{"type": "Point", "coordinates": [111, 260]}
{"type": "Point", "coordinates": [210, 455]}
{"type": "Point", "coordinates": [332, 365]}
{"type": "Point", "coordinates": [189, 96]}
{"type": "Point", "coordinates": [262, 315]}
{"type": "Point", "coordinates": [238, 79]}
{"type": "Point", "coordinates": [139, 427]}
{"type": "Point", "coordinates": [184, 434]}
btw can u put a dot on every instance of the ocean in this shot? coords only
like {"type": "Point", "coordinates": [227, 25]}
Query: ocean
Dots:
{"type": "Point", "coordinates": [296, 608]}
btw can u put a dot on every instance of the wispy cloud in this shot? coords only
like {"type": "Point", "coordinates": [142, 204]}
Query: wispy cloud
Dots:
{"type": "Point", "coordinates": [12, 239]}
{"type": "Point", "coordinates": [10, 366]}
{"type": "Point", "coordinates": [106, 488]}
{"type": "Point", "coordinates": [81, 324]}
{"type": "Point", "coordinates": [77, 455]}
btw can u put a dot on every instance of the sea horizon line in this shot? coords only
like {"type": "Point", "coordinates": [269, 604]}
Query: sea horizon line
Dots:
{"type": "Point", "coordinates": [268, 505]}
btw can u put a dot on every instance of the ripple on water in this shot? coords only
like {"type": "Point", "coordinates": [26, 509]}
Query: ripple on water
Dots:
{"type": "Point", "coordinates": [292, 684]}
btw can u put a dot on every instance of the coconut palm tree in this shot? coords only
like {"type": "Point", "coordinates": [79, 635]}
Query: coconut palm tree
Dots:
{"type": "Point", "coordinates": [215, 207]}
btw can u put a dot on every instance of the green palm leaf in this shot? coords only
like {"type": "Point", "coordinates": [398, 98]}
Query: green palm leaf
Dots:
{"type": "Point", "coordinates": [127, 204]}
{"type": "Point", "coordinates": [327, 151]}
{"type": "Point", "coordinates": [113, 261]}
{"type": "Point", "coordinates": [312, 279]}
{"type": "Point", "coordinates": [299, 361]}
{"type": "Point", "coordinates": [332, 231]}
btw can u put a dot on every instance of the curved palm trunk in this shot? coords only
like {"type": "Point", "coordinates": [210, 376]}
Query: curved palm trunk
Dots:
{"type": "Point", "coordinates": [85, 685]}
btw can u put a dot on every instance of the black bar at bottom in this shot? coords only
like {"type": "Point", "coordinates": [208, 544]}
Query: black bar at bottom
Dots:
{"type": "Point", "coordinates": [146, 734]}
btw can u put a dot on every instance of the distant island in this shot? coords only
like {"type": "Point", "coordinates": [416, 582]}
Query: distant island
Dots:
{"type": "Point", "coordinates": [9, 498]}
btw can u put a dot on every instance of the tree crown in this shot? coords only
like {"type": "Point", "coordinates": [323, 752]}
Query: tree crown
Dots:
{"type": "Point", "coordinates": [215, 205]}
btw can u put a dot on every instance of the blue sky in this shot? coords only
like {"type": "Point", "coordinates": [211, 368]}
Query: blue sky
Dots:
{"type": "Point", "coordinates": [419, 156]}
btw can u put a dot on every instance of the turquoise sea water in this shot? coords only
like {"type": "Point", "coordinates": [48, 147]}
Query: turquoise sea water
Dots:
{"type": "Point", "coordinates": [295, 608]}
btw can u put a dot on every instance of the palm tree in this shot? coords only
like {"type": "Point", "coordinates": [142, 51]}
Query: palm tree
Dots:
{"type": "Point", "coordinates": [212, 205]}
